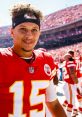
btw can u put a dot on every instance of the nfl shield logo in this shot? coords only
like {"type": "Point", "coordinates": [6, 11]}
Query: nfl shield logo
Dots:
{"type": "Point", "coordinates": [31, 70]}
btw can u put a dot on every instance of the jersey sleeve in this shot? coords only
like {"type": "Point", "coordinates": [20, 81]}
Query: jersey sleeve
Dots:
{"type": "Point", "coordinates": [50, 61]}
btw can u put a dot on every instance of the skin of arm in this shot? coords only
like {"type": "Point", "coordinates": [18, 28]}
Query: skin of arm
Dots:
{"type": "Point", "coordinates": [73, 74]}
{"type": "Point", "coordinates": [56, 109]}
{"type": "Point", "coordinates": [52, 101]}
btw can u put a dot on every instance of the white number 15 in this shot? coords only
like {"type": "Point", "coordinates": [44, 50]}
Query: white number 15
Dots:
{"type": "Point", "coordinates": [35, 98]}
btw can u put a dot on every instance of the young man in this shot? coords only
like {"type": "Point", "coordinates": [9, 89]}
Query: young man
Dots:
{"type": "Point", "coordinates": [25, 74]}
{"type": "Point", "coordinates": [70, 78]}
{"type": "Point", "coordinates": [78, 59]}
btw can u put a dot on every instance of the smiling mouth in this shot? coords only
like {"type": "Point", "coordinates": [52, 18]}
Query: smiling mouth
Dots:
{"type": "Point", "coordinates": [27, 41]}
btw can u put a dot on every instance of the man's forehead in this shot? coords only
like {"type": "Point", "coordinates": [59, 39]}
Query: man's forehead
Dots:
{"type": "Point", "coordinates": [28, 25]}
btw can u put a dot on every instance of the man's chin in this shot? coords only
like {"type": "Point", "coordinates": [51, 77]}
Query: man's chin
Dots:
{"type": "Point", "coordinates": [26, 50]}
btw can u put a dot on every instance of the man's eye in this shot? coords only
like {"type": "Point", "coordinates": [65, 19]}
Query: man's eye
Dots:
{"type": "Point", "coordinates": [23, 30]}
{"type": "Point", "coordinates": [34, 30]}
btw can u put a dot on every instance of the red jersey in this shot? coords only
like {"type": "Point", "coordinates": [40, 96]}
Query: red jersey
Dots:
{"type": "Point", "coordinates": [79, 66]}
{"type": "Point", "coordinates": [66, 73]}
{"type": "Point", "coordinates": [23, 85]}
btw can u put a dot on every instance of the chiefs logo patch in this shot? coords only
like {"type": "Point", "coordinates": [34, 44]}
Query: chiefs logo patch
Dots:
{"type": "Point", "coordinates": [47, 69]}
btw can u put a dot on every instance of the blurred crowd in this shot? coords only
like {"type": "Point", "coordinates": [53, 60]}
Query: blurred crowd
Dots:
{"type": "Point", "coordinates": [62, 17]}
{"type": "Point", "coordinates": [60, 52]}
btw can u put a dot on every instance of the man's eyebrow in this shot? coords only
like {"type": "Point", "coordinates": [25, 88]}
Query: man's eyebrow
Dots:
{"type": "Point", "coordinates": [22, 25]}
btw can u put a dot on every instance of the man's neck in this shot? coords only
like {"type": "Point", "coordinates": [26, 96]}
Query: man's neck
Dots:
{"type": "Point", "coordinates": [23, 53]}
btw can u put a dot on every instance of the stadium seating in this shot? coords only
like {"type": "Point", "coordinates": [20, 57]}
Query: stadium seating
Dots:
{"type": "Point", "coordinates": [62, 17]}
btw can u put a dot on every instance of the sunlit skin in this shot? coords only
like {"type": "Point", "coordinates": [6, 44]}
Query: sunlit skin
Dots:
{"type": "Point", "coordinates": [25, 37]}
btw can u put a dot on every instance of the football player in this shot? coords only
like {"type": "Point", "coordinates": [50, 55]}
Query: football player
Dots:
{"type": "Point", "coordinates": [70, 78]}
{"type": "Point", "coordinates": [26, 84]}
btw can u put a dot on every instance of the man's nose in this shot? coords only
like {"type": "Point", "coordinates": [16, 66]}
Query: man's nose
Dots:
{"type": "Point", "coordinates": [29, 33]}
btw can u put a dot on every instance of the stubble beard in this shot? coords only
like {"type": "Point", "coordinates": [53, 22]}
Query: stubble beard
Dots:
{"type": "Point", "coordinates": [27, 50]}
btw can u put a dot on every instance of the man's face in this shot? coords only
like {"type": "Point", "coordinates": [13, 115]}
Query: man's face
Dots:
{"type": "Point", "coordinates": [25, 36]}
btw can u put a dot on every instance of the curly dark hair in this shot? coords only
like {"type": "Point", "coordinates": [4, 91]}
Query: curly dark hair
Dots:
{"type": "Point", "coordinates": [20, 9]}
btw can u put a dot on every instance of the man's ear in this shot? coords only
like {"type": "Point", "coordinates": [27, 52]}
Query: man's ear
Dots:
{"type": "Point", "coordinates": [11, 32]}
{"type": "Point", "coordinates": [40, 33]}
